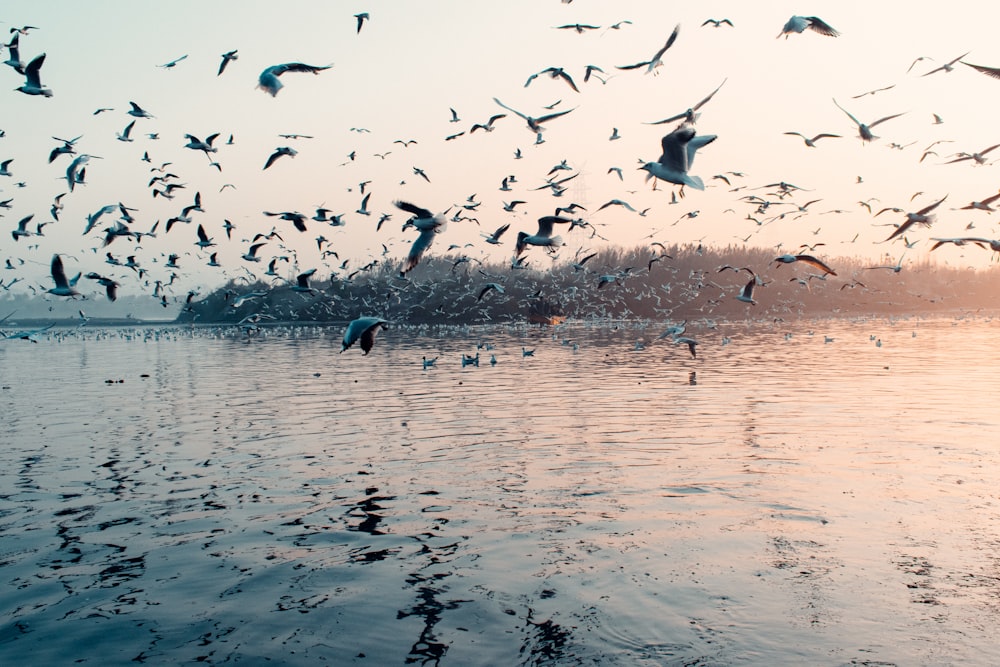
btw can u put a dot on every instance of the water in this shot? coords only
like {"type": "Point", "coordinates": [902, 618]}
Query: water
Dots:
{"type": "Point", "coordinates": [779, 500]}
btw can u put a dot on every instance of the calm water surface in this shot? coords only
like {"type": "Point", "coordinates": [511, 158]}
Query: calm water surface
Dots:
{"type": "Point", "coordinates": [783, 499]}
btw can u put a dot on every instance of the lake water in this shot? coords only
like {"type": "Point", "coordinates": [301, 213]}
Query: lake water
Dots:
{"type": "Point", "coordinates": [172, 495]}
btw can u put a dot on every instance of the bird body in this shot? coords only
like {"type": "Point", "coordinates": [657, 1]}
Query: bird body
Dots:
{"type": "Point", "coordinates": [364, 329]}
{"type": "Point", "coordinates": [678, 154]}
{"type": "Point", "coordinates": [33, 78]}
{"type": "Point", "coordinates": [429, 225]}
{"type": "Point", "coordinates": [798, 24]}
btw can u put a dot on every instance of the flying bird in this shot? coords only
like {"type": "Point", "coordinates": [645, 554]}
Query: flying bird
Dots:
{"type": "Point", "coordinates": [865, 131]}
{"type": "Point", "coordinates": [811, 142]}
{"type": "Point", "coordinates": [227, 57]}
{"type": "Point", "coordinates": [268, 80]}
{"type": "Point", "coordinates": [679, 148]}
{"type": "Point", "coordinates": [33, 78]}
{"type": "Point", "coordinates": [63, 286]}
{"type": "Point", "coordinates": [365, 329]}
{"type": "Point", "coordinates": [801, 23]}
{"type": "Point", "coordinates": [555, 73]}
{"type": "Point", "coordinates": [655, 61]}
{"type": "Point", "coordinates": [534, 124]}
{"type": "Point", "coordinates": [362, 17]}
{"type": "Point", "coordinates": [690, 115]}
{"type": "Point", "coordinates": [947, 67]}
{"type": "Point", "coordinates": [428, 224]}
{"type": "Point", "coordinates": [805, 259]}
{"type": "Point", "coordinates": [543, 237]}
{"type": "Point", "coordinates": [281, 150]}
{"type": "Point", "coordinates": [923, 217]}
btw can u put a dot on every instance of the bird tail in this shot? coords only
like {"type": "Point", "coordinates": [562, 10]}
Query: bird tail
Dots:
{"type": "Point", "coordinates": [694, 182]}
{"type": "Point", "coordinates": [556, 241]}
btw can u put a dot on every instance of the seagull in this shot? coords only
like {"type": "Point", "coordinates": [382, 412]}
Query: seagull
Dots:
{"type": "Point", "coordinates": [281, 150]}
{"type": "Point", "coordinates": [555, 73]}
{"type": "Point", "coordinates": [5, 167]}
{"type": "Point", "coordinates": [923, 216]}
{"type": "Point", "coordinates": [126, 134]}
{"type": "Point", "coordinates": [68, 148]}
{"type": "Point", "coordinates": [811, 143]}
{"type": "Point", "coordinates": [988, 71]}
{"type": "Point", "coordinates": [14, 59]}
{"type": "Point", "coordinates": [580, 28]}
{"type": "Point", "coordinates": [33, 79]}
{"type": "Point", "coordinates": [678, 153]}
{"type": "Point", "coordinates": [173, 63]}
{"type": "Point", "coordinates": [302, 282]}
{"type": "Point", "coordinates": [429, 363]}
{"type": "Point", "coordinates": [203, 240]}
{"type": "Point", "coordinates": [362, 17]}
{"type": "Point", "coordinates": [365, 328]}
{"type": "Point", "coordinates": [268, 80]}
{"type": "Point", "coordinates": [63, 286]}
{"type": "Point", "coordinates": [251, 254]}
{"type": "Point", "coordinates": [979, 156]}
{"type": "Point", "coordinates": [690, 115]}
{"type": "Point", "coordinates": [717, 23]}
{"type": "Point", "coordinates": [494, 238]}
{"type": "Point", "coordinates": [534, 124]}
{"type": "Point", "coordinates": [800, 23]}
{"type": "Point", "coordinates": [296, 218]}
{"type": "Point", "coordinates": [690, 342]}
{"type": "Point", "coordinates": [428, 224]}
{"type": "Point", "coordinates": [865, 131]}
{"type": "Point", "coordinates": [543, 237]}
{"type": "Point", "coordinates": [488, 125]}
{"type": "Point", "coordinates": [746, 294]}
{"type": "Point", "coordinates": [196, 144]}
{"type": "Point", "coordinates": [226, 58]}
{"type": "Point", "coordinates": [655, 61]}
{"type": "Point", "coordinates": [983, 205]}
{"type": "Point", "coordinates": [947, 67]}
{"type": "Point", "coordinates": [138, 111]}
{"type": "Point", "coordinates": [22, 227]}
{"type": "Point", "coordinates": [807, 259]}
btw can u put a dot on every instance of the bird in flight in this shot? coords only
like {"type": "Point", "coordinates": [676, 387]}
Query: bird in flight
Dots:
{"type": "Point", "coordinates": [268, 79]}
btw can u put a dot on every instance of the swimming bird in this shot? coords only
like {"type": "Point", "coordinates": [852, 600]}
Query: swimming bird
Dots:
{"type": "Point", "coordinates": [799, 24]}
{"type": "Point", "coordinates": [429, 225]}
{"type": "Point", "coordinates": [365, 329]}
{"type": "Point", "coordinates": [534, 124]}
{"type": "Point", "coordinates": [227, 58]}
{"type": "Point", "coordinates": [923, 217]}
{"type": "Point", "coordinates": [63, 286]}
{"type": "Point", "coordinates": [268, 79]}
{"type": "Point", "coordinates": [543, 237]}
{"type": "Point", "coordinates": [807, 259]}
{"type": "Point", "coordinates": [865, 131]}
{"type": "Point", "coordinates": [278, 152]}
{"type": "Point", "coordinates": [429, 363]}
{"type": "Point", "coordinates": [33, 78]}
{"type": "Point", "coordinates": [678, 153]}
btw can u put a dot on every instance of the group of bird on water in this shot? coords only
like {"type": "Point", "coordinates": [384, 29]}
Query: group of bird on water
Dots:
{"type": "Point", "coordinates": [678, 149]}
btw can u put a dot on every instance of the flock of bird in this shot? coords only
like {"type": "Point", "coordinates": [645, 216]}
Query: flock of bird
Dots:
{"type": "Point", "coordinates": [678, 148]}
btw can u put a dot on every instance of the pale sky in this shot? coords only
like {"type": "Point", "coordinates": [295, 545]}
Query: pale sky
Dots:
{"type": "Point", "coordinates": [412, 61]}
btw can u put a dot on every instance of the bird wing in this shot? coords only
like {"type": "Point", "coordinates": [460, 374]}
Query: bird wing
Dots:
{"type": "Point", "coordinates": [413, 209]}
{"type": "Point", "coordinates": [849, 115]}
{"type": "Point", "coordinates": [812, 261]}
{"type": "Point", "coordinates": [882, 120]}
{"type": "Point", "coordinates": [988, 71]}
{"type": "Point", "coordinates": [821, 26]}
{"type": "Point", "coordinates": [33, 71]}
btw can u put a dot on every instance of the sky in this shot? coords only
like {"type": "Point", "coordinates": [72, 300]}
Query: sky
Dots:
{"type": "Point", "coordinates": [397, 79]}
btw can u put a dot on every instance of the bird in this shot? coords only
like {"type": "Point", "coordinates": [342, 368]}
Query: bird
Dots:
{"type": "Point", "coordinates": [655, 61]}
{"type": "Point", "coordinates": [362, 17]}
{"type": "Point", "coordinates": [227, 58]}
{"type": "Point", "coordinates": [923, 217]}
{"type": "Point", "coordinates": [429, 225]}
{"type": "Point", "coordinates": [196, 144]}
{"type": "Point", "coordinates": [33, 78]}
{"type": "Point", "coordinates": [302, 282]}
{"type": "Point", "coordinates": [278, 152]}
{"type": "Point", "coordinates": [807, 259]}
{"type": "Point", "coordinates": [978, 157]}
{"type": "Point", "coordinates": [203, 240]}
{"type": "Point", "coordinates": [811, 143]}
{"type": "Point", "coordinates": [690, 115]}
{"type": "Point", "coordinates": [126, 134]}
{"type": "Point", "coordinates": [865, 131]}
{"type": "Point", "coordinates": [429, 363]}
{"type": "Point", "coordinates": [488, 125]}
{"type": "Point", "coordinates": [68, 148]}
{"type": "Point", "coordinates": [801, 23]}
{"type": "Point", "coordinates": [494, 238]}
{"type": "Point", "coordinates": [983, 205]}
{"type": "Point", "coordinates": [746, 294]}
{"type": "Point", "coordinates": [555, 73]}
{"type": "Point", "coordinates": [543, 237]}
{"type": "Point", "coordinates": [365, 329]}
{"type": "Point", "coordinates": [63, 286]}
{"type": "Point", "coordinates": [534, 124]}
{"type": "Point", "coordinates": [993, 72]}
{"type": "Point", "coordinates": [268, 79]}
{"type": "Point", "coordinates": [138, 111]}
{"type": "Point", "coordinates": [946, 67]}
{"type": "Point", "coordinates": [14, 54]}
{"type": "Point", "coordinates": [690, 342]}
{"type": "Point", "coordinates": [173, 63]}
{"type": "Point", "coordinates": [678, 153]}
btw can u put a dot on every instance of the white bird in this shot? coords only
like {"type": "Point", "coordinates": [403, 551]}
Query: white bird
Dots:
{"type": "Point", "coordinates": [428, 224]}
{"type": "Point", "coordinates": [800, 23]}
{"type": "Point", "coordinates": [656, 60]}
{"type": "Point", "coordinates": [679, 148]}
{"type": "Point", "coordinates": [33, 78]}
{"type": "Point", "coordinates": [865, 131]}
{"type": "Point", "coordinates": [807, 259]}
{"type": "Point", "coordinates": [268, 80]}
{"type": "Point", "coordinates": [226, 58]}
{"type": "Point", "coordinates": [923, 217]}
{"type": "Point", "coordinates": [278, 152]}
{"type": "Point", "coordinates": [138, 111]}
{"type": "Point", "coordinates": [126, 134]}
{"type": "Point", "coordinates": [364, 328]}
{"type": "Point", "coordinates": [302, 282]}
{"type": "Point", "coordinates": [196, 144]}
{"type": "Point", "coordinates": [203, 240]}
{"type": "Point", "coordinates": [746, 294]}
{"type": "Point", "coordinates": [690, 342]}
{"type": "Point", "coordinates": [172, 63]}
{"type": "Point", "coordinates": [811, 142]}
{"type": "Point", "coordinates": [534, 124]}
{"type": "Point", "coordinates": [63, 286]}
{"type": "Point", "coordinates": [543, 237]}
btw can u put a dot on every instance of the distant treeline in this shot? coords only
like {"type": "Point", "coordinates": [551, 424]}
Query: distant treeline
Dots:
{"type": "Point", "coordinates": [649, 282]}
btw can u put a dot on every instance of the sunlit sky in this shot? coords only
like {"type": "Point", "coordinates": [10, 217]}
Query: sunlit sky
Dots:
{"type": "Point", "coordinates": [413, 61]}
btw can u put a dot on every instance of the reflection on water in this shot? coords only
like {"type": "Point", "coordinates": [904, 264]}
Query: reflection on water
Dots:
{"type": "Point", "coordinates": [178, 495]}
